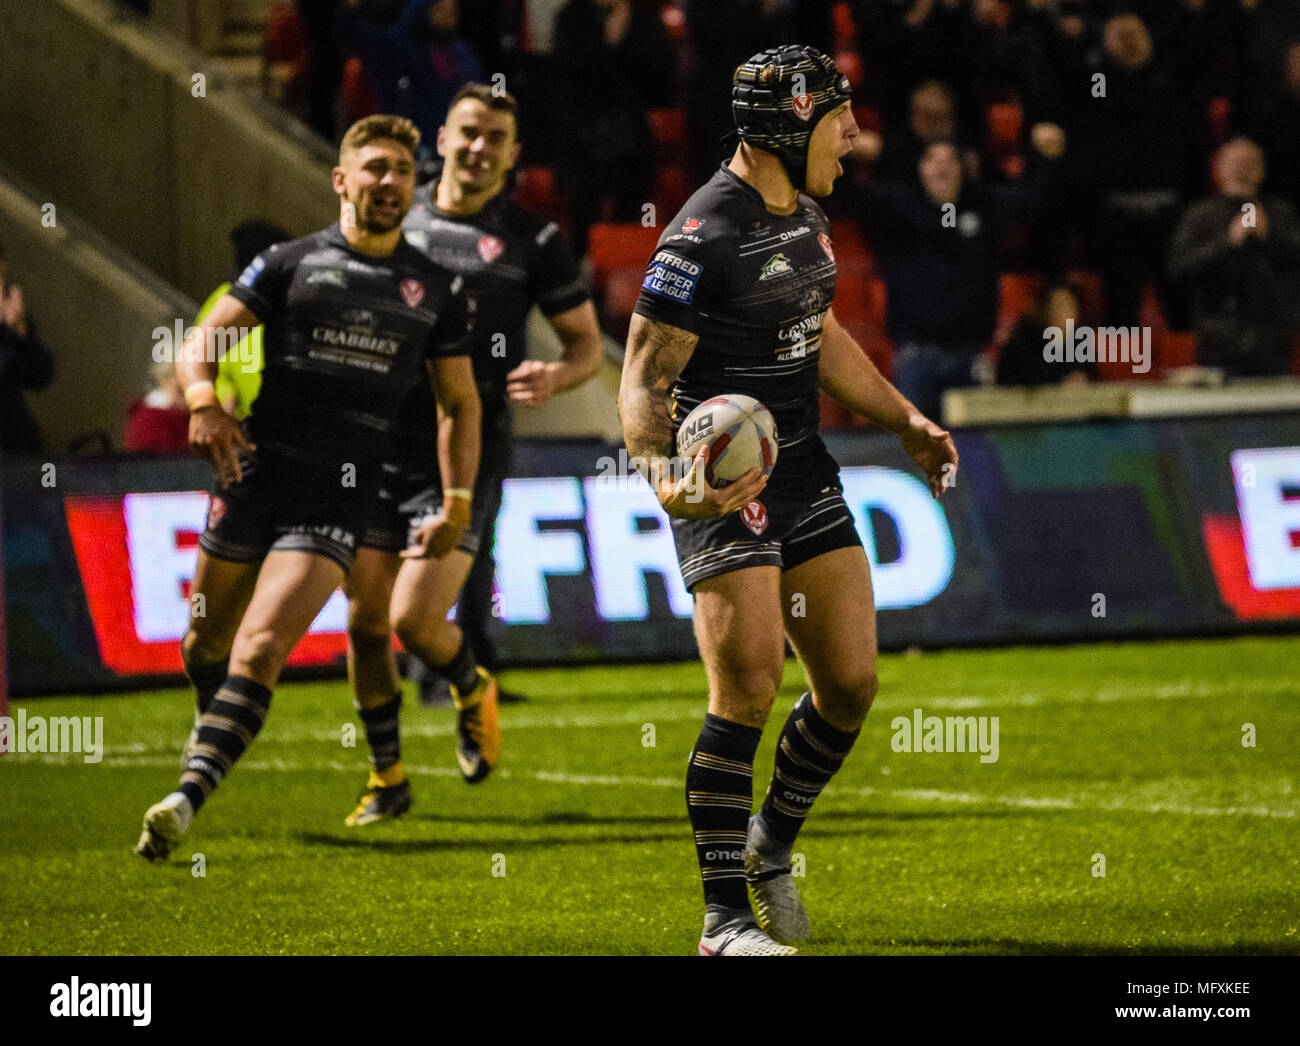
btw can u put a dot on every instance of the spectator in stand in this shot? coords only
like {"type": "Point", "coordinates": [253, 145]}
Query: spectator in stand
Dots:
{"type": "Point", "coordinates": [1134, 148]}
{"type": "Point", "coordinates": [1275, 124]}
{"type": "Point", "coordinates": [319, 20]}
{"type": "Point", "coordinates": [1240, 251]}
{"type": "Point", "coordinates": [939, 247]}
{"type": "Point", "coordinates": [931, 117]}
{"type": "Point", "coordinates": [25, 363]}
{"type": "Point", "coordinates": [910, 42]}
{"type": "Point", "coordinates": [721, 34]}
{"type": "Point", "coordinates": [416, 63]}
{"type": "Point", "coordinates": [159, 421]}
{"type": "Point", "coordinates": [1021, 361]}
{"type": "Point", "coordinates": [612, 65]}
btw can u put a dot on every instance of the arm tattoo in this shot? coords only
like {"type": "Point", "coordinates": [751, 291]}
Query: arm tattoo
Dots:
{"type": "Point", "coordinates": [656, 354]}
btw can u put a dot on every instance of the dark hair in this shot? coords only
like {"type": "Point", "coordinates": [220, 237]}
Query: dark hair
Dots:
{"type": "Point", "coordinates": [251, 238]}
{"type": "Point", "coordinates": [494, 98]}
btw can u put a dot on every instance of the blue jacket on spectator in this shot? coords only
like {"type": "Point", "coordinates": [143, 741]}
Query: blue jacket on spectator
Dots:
{"type": "Point", "coordinates": [414, 72]}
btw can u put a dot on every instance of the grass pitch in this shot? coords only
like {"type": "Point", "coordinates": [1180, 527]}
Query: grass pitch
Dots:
{"type": "Point", "coordinates": [579, 844]}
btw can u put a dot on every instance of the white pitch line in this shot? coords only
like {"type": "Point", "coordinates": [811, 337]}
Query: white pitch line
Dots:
{"type": "Point", "coordinates": [892, 704]}
{"type": "Point", "coordinates": [922, 795]}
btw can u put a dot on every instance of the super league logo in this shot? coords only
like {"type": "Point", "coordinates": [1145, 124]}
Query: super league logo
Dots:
{"type": "Point", "coordinates": [490, 248]}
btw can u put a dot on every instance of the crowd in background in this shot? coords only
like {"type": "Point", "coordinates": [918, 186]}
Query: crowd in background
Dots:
{"type": "Point", "coordinates": [1066, 135]}
{"type": "Point", "coordinates": [1151, 145]}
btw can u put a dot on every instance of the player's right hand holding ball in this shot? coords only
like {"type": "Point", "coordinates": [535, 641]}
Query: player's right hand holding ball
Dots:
{"type": "Point", "coordinates": [691, 496]}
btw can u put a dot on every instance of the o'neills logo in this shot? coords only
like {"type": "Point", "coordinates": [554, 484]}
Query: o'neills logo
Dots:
{"type": "Point", "coordinates": [803, 106]}
{"type": "Point", "coordinates": [754, 516]}
{"type": "Point", "coordinates": [412, 292]}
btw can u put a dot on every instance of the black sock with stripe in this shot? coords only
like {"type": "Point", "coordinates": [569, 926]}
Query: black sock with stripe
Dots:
{"type": "Point", "coordinates": [206, 680]}
{"type": "Point", "coordinates": [462, 670]}
{"type": "Point", "coordinates": [226, 729]}
{"type": "Point", "coordinates": [808, 754]}
{"type": "Point", "coordinates": [383, 732]}
{"type": "Point", "coordinates": [719, 797]}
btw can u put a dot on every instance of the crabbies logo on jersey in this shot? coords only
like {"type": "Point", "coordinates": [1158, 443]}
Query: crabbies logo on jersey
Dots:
{"type": "Point", "coordinates": [490, 248]}
{"type": "Point", "coordinates": [754, 516]}
{"type": "Point", "coordinates": [691, 224]}
{"type": "Point", "coordinates": [672, 276]}
{"type": "Point", "coordinates": [777, 265]}
{"type": "Point", "coordinates": [412, 292]}
{"type": "Point", "coordinates": [334, 277]}
{"type": "Point", "coordinates": [803, 106]}
{"type": "Point", "coordinates": [825, 241]}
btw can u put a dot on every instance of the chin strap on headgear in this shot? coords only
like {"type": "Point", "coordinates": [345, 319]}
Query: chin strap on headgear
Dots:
{"type": "Point", "coordinates": [777, 98]}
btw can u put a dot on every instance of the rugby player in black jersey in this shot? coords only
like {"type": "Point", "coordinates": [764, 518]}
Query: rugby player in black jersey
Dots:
{"type": "Point", "coordinates": [465, 223]}
{"type": "Point", "coordinates": [737, 299]}
{"type": "Point", "coordinates": [353, 317]}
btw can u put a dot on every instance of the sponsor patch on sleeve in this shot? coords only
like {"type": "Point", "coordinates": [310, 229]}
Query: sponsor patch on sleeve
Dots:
{"type": "Point", "coordinates": [249, 276]}
{"type": "Point", "coordinates": [671, 276]}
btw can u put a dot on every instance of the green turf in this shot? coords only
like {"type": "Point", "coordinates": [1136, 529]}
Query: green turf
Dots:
{"type": "Point", "coordinates": [1131, 751]}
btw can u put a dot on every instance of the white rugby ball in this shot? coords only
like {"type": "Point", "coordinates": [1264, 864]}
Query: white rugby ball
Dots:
{"type": "Point", "coordinates": [740, 433]}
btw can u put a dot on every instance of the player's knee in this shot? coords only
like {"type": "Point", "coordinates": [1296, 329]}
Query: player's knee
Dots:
{"type": "Point", "coordinates": [850, 695]}
{"type": "Point", "coordinates": [753, 684]}
{"type": "Point", "coordinates": [367, 625]}
{"type": "Point", "coordinates": [202, 646]}
{"type": "Point", "coordinates": [261, 654]}
{"type": "Point", "coordinates": [415, 627]}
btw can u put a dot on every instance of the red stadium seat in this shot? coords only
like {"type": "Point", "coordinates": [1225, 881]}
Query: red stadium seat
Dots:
{"type": "Point", "coordinates": [1016, 294]}
{"type": "Point", "coordinates": [535, 189]}
{"type": "Point", "coordinates": [619, 252]}
{"type": "Point", "coordinates": [1219, 116]}
{"type": "Point", "coordinates": [358, 97]}
{"type": "Point", "coordinates": [672, 188]}
{"type": "Point", "coordinates": [620, 245]}
{"type": "Point", "coordinates": [285, 41]}
{"type": "Point", "coordinates": [284, 44]}
{"type": "Point", "coordinates": [1178, 349]}
{"type": "Point", "coordinates": [844, 29]}
{"type": "Point", "coordinates": [1005, 121]}
{"type": "Point", "coordinates": [668, 129]}
{"type": "Point", "coordinates": [868, 118]}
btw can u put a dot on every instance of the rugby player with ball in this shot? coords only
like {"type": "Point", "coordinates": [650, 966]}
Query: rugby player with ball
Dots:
{"type": "Point", "coordinates": [736, 302]}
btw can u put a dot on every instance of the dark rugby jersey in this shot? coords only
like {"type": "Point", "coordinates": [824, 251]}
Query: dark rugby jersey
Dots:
{"type": "Point", "coordinates": [510, 259]}
{"type": "Point", "coordinates": [347, 335]}
{"type": "Point", "coordinates": [755, 287]}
